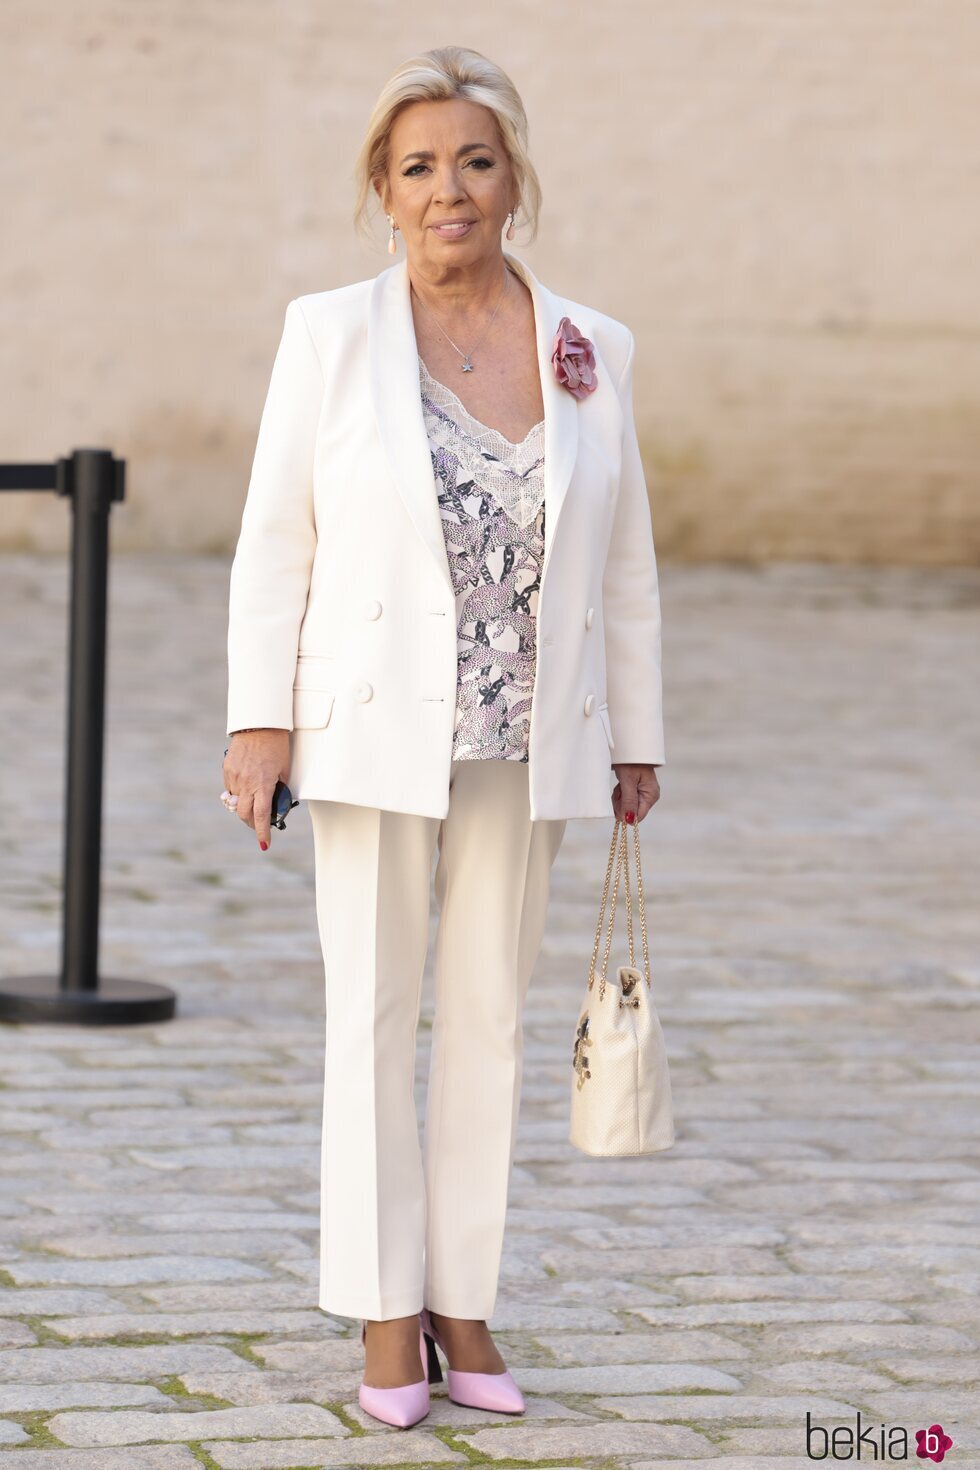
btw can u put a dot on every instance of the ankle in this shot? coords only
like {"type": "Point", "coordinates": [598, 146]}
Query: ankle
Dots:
{"type": "Point", "coordinates": [458, 1323]}
{"type": "Point", "coordinates": [468, 1344]}
{"type": "Point", "coordinates": [392, 1329]}
{"type": "Point", "coordinates": [392, 1356]}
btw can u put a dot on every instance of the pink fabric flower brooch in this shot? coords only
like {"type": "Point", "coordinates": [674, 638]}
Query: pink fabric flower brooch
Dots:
{"type": "Point", "coordinates": [573, 357]}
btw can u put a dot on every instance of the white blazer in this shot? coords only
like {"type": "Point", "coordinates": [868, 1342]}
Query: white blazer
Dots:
{"type": "Point", "coordinates": [342, 614]}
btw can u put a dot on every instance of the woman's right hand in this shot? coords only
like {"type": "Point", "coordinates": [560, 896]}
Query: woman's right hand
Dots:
{"type": "Point", "coordinates": [256, 760]}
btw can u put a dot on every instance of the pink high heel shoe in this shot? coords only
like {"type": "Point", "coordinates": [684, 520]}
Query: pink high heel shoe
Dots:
{"type": "Point", "coordinates": [404, 1405]}
{"type": "Point", "coordinates": [474, 1390]}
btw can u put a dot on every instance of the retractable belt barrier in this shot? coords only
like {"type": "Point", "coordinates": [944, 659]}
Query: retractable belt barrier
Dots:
{"type": "Point", "coordinates": [91, 479]}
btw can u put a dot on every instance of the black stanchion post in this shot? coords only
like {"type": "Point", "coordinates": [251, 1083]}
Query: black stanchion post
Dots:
{"type": "Point", "coordinates": [91, 479]}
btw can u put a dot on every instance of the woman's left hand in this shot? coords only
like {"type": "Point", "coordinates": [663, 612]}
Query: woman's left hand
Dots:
{"type": "Point", "coordinates": [636, 791]}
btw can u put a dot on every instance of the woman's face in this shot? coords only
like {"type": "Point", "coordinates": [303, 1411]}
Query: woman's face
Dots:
{"type": "Point", "coordinates": [447, 165]}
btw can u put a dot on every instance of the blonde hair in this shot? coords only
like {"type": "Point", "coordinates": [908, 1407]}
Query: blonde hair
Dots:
{"type": "Point", "coordinates": [437, 76]}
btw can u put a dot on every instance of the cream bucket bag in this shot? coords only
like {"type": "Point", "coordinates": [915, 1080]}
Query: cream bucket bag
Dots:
{"type": "Point", "coordinates": [621, 1102]}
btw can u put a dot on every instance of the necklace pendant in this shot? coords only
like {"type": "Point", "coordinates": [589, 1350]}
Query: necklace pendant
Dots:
{"type": "Point", "coordinates": [467, 365]}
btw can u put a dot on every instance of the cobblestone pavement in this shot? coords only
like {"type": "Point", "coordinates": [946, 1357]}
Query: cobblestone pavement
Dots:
{"type": "Point", "coordinates": [809, 1247]}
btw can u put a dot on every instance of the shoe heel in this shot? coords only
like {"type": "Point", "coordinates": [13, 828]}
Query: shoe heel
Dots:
{"type": "Point", "coordinates": [432, 1360]}
{"type": "Point", "coordinates": [433, 1365]}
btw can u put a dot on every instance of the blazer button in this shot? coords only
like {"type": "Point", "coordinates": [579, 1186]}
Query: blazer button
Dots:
{"type": "Point", "coordinates": [372, 610]}
{"type": "Point", "coordinates": [588, 618]}
{"type": "Point", "coordinates": [589, 703]}
{"type": "Point", "coordinates": [363, 691]}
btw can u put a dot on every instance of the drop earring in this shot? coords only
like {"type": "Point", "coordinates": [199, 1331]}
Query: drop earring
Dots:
{"type": "Point", "coordinates": [510, 227]}
{"type": "Point", "coordinates": [392, 246]}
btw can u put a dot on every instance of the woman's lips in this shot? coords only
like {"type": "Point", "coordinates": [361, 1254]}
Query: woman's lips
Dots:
{"type": "Point", "coordinates": [453, 232]}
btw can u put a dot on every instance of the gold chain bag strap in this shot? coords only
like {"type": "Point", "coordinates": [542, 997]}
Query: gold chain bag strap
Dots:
{"type": "Point", "coordinates": [621, 1101]}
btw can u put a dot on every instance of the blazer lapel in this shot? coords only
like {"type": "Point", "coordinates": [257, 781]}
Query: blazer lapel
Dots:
{"type": "Point", "coordinates": [560, 408]}
{"type": "Point", "coordinates": [393, 357]}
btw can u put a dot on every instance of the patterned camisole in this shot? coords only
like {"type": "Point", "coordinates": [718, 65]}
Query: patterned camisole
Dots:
{"type": "Point", "coordinates": [491, 500]}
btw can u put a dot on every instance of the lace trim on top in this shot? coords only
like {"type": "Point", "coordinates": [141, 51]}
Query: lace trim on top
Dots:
{"type": "Point", "coordinates": [512, 473]}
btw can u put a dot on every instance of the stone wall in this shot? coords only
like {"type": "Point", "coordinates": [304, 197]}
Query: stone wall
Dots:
{"type": "Point", "coordinates": [780, 198]}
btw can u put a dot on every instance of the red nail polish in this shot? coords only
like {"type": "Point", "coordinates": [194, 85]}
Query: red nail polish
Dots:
{"type": "Point", "coordinates": [264, 846]}
{"type": "Point", "coordinates": [630, 817]}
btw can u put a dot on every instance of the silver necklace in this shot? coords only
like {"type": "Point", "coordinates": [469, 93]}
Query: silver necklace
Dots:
{"type": "Point", "coordinates": [466, 356]}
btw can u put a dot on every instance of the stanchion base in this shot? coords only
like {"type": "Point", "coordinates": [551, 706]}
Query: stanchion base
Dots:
{"type": "Point", "coordinates": [115, 1003]}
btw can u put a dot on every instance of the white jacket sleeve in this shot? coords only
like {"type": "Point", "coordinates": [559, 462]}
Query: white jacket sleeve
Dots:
{"type": "Point", "coordinates": [270, 574]}
{"type": "Point", "coordinates": [631, 606]}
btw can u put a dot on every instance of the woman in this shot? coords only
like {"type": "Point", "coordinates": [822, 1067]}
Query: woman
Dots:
{"type": "Point", "coordinates": [444, 616]}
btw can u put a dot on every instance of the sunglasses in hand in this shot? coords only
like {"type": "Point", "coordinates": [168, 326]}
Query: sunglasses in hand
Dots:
{"type": "Point", "coordinates": [282, 802]}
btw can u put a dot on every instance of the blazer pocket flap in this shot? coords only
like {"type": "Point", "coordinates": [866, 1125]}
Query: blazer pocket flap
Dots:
{"type": "Point", "coordinates": [604, 717]}
{"type": "Point", "coordinates": [312, 708]}
{"type": "Point", "coordinates": [315, 671]}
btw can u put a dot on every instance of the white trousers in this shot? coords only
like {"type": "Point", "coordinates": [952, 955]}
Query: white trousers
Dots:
{"type": "Point", "coordinates": [402, 1227]}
